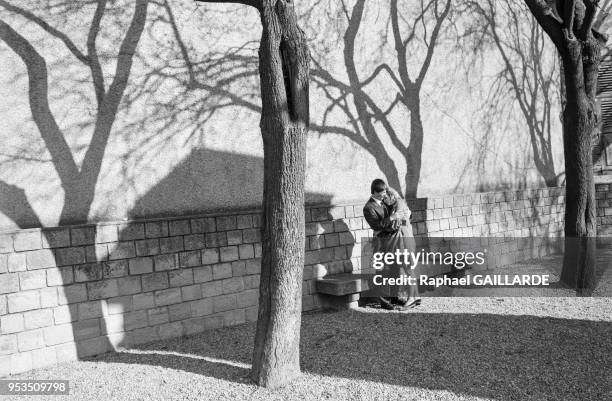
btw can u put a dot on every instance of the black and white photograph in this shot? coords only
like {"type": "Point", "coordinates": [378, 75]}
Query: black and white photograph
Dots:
{"type": "Point", "coordinates": [306, 200]}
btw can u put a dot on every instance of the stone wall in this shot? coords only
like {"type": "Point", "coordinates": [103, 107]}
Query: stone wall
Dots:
{"type": "Point", "coordinates": [76, 291]}
{"type": "Point", "coordinates": [604, 209]}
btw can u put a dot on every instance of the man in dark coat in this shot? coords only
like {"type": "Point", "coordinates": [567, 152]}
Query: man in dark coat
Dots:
{"type": "Point", "coordinates": [379, 213]}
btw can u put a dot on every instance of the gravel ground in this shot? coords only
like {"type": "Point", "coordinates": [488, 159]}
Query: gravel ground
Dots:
{"type": "Point", "coordinates": [446, 349]}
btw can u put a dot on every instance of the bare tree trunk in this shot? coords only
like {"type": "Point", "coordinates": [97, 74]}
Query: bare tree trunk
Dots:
{"type": "Point", "coordinates": [569, 24]}
{"type": "Point", "coordinates": [283, 68]}
{"type": "Point", "coordinates": [579, 121]}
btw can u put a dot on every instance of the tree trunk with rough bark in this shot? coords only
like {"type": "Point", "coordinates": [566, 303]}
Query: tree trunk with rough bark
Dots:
{"type": "Point", "coordinates": [569, 24]}
{"type": "Point", "coordinates": [284, 73]}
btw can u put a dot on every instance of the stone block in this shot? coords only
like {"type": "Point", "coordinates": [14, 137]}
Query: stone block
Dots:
{"type": "Point", "coordinates": [8, 345]}
{"type": "Point", "coordinates": [238, 268]}
{"type": "Point", "coordinates": [244, 221]}
{"type": "Point", "coordinates": [6, 243]}
{"type": "Point", "coordinates": [66, 352]}
{"type": "Point", "coordinates": [131, 231]}
{"type": "Point", "coordinates": [252, 235]}
{"type": "Point", "coordinates": [202, 274]}
{"type": "Point", "coordinates": [86, 329]}
{"type": "Point", "coordinates": [40, 259]}
{"type": "Point", "coordinates": [16, 262]}
{"type": "Point", "coordinates": [251, 281]}
{"type": "Point", "coordinates": [233, 317]}
{"type": "Point", "coordinates": [9, 282]}
{"type": "Point", "coordinates": [210, 256]}
{"type": "Point", "coordinates": [59, 334]}
{"type": "Point", "coordinates": [171, 244]}
{"type": "Point", "coordinates": [179, 227]}
{"type": "Point", "coordinates": [143, 301]}
{"type": "Point", "coordinates": [202, 307]}
{"type": "Point", "coordinates": [234, 237]}
{"type": "Point", "coordinates": [27, 240]}
{"type": "Point", "coordinates": [248, 298]}
{"type": "Point", "coordinates": [59, 276]}
{"type": "Point", "coordinates": [65, 313]}
{"type": "Point", "coordinates": [32, 280]}
{"type": "Point", "coordinates": [89, 310]}
{"type": "Point", "coordinates": [246, 251]}
{"type": "Point", "coordinates": [203, 225]}
{"type": "Point", "coordinates": [93, 346]}
{"type": "Point", "coordinates": [191, 292]}
{"type": "Point", "coordinates": [122, 250]}
{"type": "Point", "coordinates": [21, 362]}
{"type": "Point", "coordinates": [103, 289]}
{"type": "Point", "coordinates": [251, 313]}
{"type": "Point", "coordinates": [147, 247]}
{"type": "Point", "coordinates": [232, 285]}
{"type": "Point", "coordinates": [156, 229]}
{"type": "Point", "coordinates": [180, 311]}
{"type": "Point", "coordinates": [253, 266]}
{"type": "Point", "coordinates": [221, 271]}
{"type": "Point", "coordinates": [190, 259]}
{"type": "Point", "coordinates": [69, 256]}
{"type": "Point", "coordinates": [224, 303]}
{"type": "Point", "coordinates": [226, 223]}
{"type": "Point", "coordinates": [23, 301]}
{"type": "Point", "coordinates": [214, 240]}
{"type": "Point", "coordinates": [12, 323]}
{"type": "Point", "coordinates": [107, 233]}
{"type": "Point", "coordinates": [118, 268]}
{"type": "Point", "coordinates": [88, 272]}
{"type": "Point", "coordinates": [158, 316]}
{"type": "Point", "coordinates": [212, 289]}
{"type": "Point", "coordinates": [56, 237]}
{"type": "Point", "coordinates": [145, 335]}
{"type": "Point", "coordinates": [168, 297]}
{"type": "Point", "coordinates": [72, 293]}
{"type": "Point", "coordinates": [170, 330]}
{"type": "Point", "coordinates": [194, 241]}
{"type": "Point", "coordinates": [85, 235]}
{"type": "Point", "coordinates": [229, 253]}
{"type": "Point", "coordinates": [182, 277]}
{"type": "Point", "coordinates": [141, 265]}
{"type": "Point", "coordinates": [129, 285]}
{"type": "Point", "coordinates": [165, 262]}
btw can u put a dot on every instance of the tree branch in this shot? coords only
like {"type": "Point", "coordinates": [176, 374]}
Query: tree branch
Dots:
{"type": "Point", "coordinates": [39, 103]}
{"type": "Point", "coordinates": [253, 3]}
{"type": "Point", "coordinates": [548, 20]}
{"type": "Point", "coordinates": [96, 69]}
{"type": "Point", "coordinates": [44, 25]}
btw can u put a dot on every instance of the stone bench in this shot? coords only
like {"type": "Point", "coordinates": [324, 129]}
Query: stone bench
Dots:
{"type": "Point", "coordinates": [343, 290]}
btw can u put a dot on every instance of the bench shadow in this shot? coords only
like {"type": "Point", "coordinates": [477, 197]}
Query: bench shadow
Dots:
{"type": "Point", "coordinates": [499, 357]}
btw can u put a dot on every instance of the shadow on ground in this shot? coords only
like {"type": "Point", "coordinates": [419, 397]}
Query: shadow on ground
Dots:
{"type": "Point", "coordinates": [483, 355]}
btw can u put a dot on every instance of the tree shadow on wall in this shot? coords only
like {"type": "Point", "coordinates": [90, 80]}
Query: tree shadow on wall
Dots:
{"type": "Point", "coordinates": [209, 180]}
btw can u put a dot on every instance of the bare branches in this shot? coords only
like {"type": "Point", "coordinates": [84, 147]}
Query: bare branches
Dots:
{"type": "Point", "coordinates": [548, 19]}
{"type": "Point", "coordinates": [44, 25]}
{"type": "Point", "coordinates": [94, 65]}
{"type": "Point", "coordinates": [253, 3]}
{"type": "Point", "coordinates": [39, 103]}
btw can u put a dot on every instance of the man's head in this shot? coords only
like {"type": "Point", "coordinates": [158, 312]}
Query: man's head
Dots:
{"type": "Point", "coordinates": [378, 189]}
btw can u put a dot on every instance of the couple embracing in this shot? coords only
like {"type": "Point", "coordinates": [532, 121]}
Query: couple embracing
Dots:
{"type": "Point", "coordinates": [389, 216]}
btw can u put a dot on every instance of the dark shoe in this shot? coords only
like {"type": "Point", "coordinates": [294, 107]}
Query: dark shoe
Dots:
{"type": "Point", "coordinates": [385, 304]}
{"type": "Point", "coordinates": [410, 304]}
{"type": "Point", "coordinates": [401, 301]}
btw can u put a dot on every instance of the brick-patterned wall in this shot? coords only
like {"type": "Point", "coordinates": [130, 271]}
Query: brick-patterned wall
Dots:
{"type": "Point", "coordinates": [604, 209]}
{"type": "Point", "coordinates": [77, 291]}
